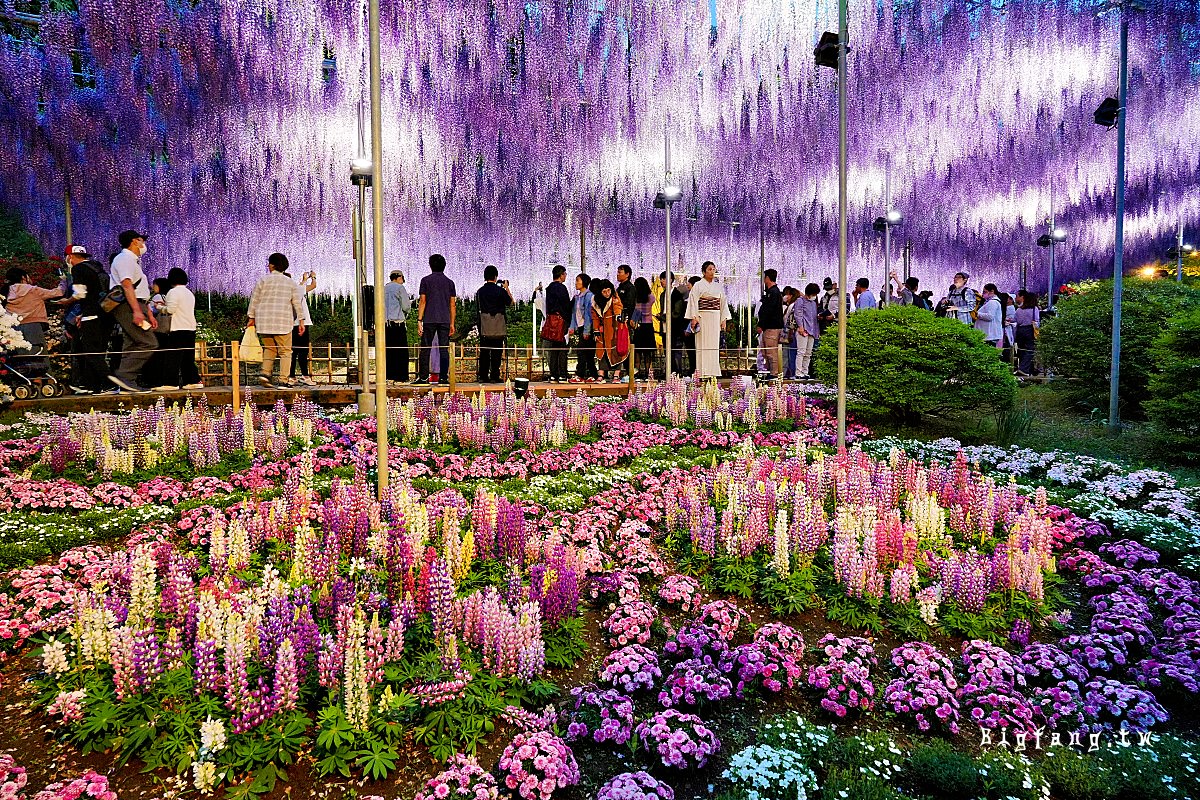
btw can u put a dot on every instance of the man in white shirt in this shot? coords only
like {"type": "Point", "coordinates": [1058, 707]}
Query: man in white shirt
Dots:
{"type": "Point", "coordinates": [990, 317]}
{"type": "Point", "coordinates": [133, 314]}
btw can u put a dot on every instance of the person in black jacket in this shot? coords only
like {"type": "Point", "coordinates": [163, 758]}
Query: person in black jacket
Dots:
{"type": "Point", "coordinates": [770, 321]}
{"type": "Point", "coordinates": [627, 294]}
{"type": "Point", "coordinates": [89, 284]}
{"type": "Point", "coordinates": [558, 302]}
{"type": "Point", "coordinates": [493, 299]}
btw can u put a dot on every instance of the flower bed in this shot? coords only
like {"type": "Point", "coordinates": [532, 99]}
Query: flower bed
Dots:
{"type": "Point", "coordinates": [284, 606]}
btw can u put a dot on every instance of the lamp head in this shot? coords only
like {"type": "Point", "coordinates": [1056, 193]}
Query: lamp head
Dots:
{"type": "Point", "coordinates": [361, 171]}
{"type": "Point", "coordinates": [894, 217]}
{"type": "Point", "coordinates": [1058, 235]}
{"type": "Point", "coordinates": [672, 193]}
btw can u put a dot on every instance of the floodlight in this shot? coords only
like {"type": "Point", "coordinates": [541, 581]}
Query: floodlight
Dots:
{"type": "Point", "coordinates": [1106, 114]}
{"type": "Point", "coordinates": [894, 217]}
{"type": "Point", "coordinates": [672, 193]}
{"type": "Point", "coordinates": [880, 224]}
{"type": "Point", "coordinates": [1174, 252]}
{"type": "Point", "coordinates": [826, 52]}
{"type": "Point", "coordinates": [1058, 235]}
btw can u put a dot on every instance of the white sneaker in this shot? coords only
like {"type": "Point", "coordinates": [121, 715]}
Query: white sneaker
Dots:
{"type": "Point", "coordinates": [165, 389]}
{"type": "Point", "coordinates": [307, 381]}
{"type": "Point", "coordinates": [194, 386]}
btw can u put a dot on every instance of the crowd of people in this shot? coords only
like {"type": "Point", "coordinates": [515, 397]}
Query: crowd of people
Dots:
{"type": "Point", "coordinates": [604, 322]}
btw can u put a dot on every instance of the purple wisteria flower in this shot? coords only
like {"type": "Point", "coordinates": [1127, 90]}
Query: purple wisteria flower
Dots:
{"type": "Point", "coordinates": [845, 675]}
{"type": "Point", "coordinates": [630, 669]}
{"type": "Point", "coordinates": [925, 688]}
{"type": "Point", "coordinates": [603, 715]}
{"type": "Point", "coordinates": [679, 740]}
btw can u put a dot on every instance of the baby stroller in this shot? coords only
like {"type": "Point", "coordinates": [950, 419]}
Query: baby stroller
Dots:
{"type": "Point", "coordinates": [26, 371]}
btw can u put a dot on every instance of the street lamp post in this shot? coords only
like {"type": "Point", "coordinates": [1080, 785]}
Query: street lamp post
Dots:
{"type": "Point", "coordinates": [665, 200]}
{"type": "Point", "coordinates": [831, 52]}
{"type": "Point", "coordinates": [1114, 411]}
{"type": "Point", "coordinates": [381, 401]}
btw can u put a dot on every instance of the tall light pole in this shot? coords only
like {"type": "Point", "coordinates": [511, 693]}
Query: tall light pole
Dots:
{"type": "Point", "coordinates": [665, 200]}
{"type": "Point", "coordinates": [381, 404]}
{"type": "Point", "coordinates": [1053, 237]}
{"type": "Point", "coordinates": [884, 225]}
{"type": "Point", "coordinates": [831, 52]}
{"type": "Point", "coordinates": [1178, 251]}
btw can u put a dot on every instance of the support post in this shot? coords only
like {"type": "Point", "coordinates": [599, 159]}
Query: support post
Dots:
{"type": "Point", "coordinates": [1179, 252]}
{"type": "Point", "coordinates": [1114, 412]}
{"type": "Point", "coordinates": [235, 370]}
{"type": "Point", "coordinates": [844, 43]}
{"type": "Point", "coordinates": [67, 210]}
{"type": "Point", "coordinates": [453, 367]}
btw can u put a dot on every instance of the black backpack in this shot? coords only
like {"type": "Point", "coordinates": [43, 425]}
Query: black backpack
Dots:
{"type": "Point", "coordinates": [921, 302]}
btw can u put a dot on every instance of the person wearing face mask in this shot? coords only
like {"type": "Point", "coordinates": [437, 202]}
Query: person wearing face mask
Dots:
{"type": "Point", "coordinates": [133, 314]}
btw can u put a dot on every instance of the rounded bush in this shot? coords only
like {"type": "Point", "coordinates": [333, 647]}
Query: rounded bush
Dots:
{"type": "Point", "coordinates": [1174, 402]}
{"type": "Point", "coordinates": [1076, 343]}
{"type": "Point", "coordinates": [904, 361]}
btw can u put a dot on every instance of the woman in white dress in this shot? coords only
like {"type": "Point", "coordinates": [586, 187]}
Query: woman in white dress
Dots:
{"type": "Point", "coordinates": [708, 311]}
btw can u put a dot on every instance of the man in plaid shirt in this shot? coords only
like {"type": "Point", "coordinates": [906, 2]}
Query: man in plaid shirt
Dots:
{"type": "Point", "coordinates": [275, 307]}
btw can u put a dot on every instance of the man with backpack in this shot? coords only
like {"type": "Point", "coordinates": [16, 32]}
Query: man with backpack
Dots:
{"type": "Point", "coordinates": [89, 283]}
{"type": "Point", "coordinates": [961, 300]}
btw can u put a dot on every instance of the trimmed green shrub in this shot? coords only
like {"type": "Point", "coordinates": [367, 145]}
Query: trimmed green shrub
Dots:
{"type": "Point", "coordinates": [1076, 344]}
{"type": "Point", "coordinates": [1075, 776]}
{"type": "Point", "coordinates": [15, 241]}
{"type": "Point", "coordinates": [937, 770]}
{"type": "Point", "coordinates": [1174, 403]}
{"type": "Point", "coordinates": [904, 361]}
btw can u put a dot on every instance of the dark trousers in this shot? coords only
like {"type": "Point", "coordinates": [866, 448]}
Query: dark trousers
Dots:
{"type": "Point", "coordinates": [556, 354]}
{"type": "Point", "coordinates": [1026, 348]}
{"type": "Point", "coordinates": [91, 343]}
{"type": "Point", "coordinates": [585, 358]}
{"type": "Point", "coordinates": [300, 351]}
{"type": "Point", "coordinates": [491, 352]}
{"type": "Point", "coordinates": [138, 345]}
{"type": "Point", "coordinates": [431, 331]}
{"type": "Point", "coordinates": [689, 344]}
{"type": "Point", "coordinates": [396, 341]}
{"type": "Point", "coordinates": [178, 362]}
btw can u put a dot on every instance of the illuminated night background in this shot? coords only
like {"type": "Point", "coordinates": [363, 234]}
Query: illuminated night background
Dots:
{"type": "Point", "coordinates": [224, 129]}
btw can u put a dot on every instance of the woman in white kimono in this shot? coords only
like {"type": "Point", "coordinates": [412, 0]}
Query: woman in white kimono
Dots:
{"type": "Point", "coordinates": [708, 311]}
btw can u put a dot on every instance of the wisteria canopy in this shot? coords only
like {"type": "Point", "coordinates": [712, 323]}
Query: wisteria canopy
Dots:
{"type": "Point", "coordinates": [224, 129]}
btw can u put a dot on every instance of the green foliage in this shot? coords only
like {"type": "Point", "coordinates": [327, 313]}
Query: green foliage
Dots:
{"type": "Point", "coordinates": [1076, 343]}
{"type": "Point", "coordinates": [1075, 776]}
{"type": "Point", "coordinates": [1009, 776]}
{"type": "Point", "coordinates": [1012, 424]}
{"type": "Point", "coordinates": [566, 645]}
{"type": "Point", "coordinates": [937, 770]}
{"type": "Point", "coordinates": [15, 241]}
{"type": "Point", "coordinates": [845, 784]}
{"type": "Point", "coordinates": [1174, 403]}
{"type": "Point", "coordinates": [904, 361]}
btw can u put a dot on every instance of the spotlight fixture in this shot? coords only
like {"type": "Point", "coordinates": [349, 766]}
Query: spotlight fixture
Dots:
{"type": "Point", "coordinates": [361, 171]}
{"type": "Point", "coordinates": [826, 52]}
{"type": "Point", "coordinates": [894, 217]}
{"type": "Point", "coordinates": [1106, 114]}
{"type": "Point", "coordinates": [1175, 252]}
{"type": "Point", "coordinates": [880, 224]}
